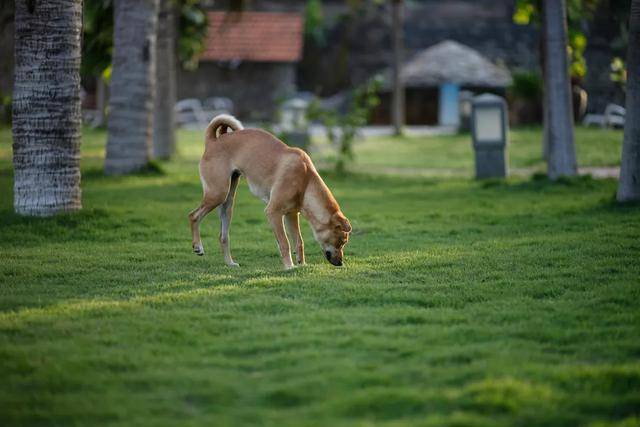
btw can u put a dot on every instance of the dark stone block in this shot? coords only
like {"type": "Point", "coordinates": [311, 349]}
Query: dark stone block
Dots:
{"type": "Point", "coordinates": [491, 163]}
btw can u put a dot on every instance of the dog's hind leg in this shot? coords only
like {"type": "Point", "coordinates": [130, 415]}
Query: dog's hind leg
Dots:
{"type": "Point", "coordinates": [213, 197]}
{"type": "Point", "coordinates": [225, 211]}
{"type": "Point", "coordinates": [195, 217]}
{"type": "Point", "coordinates": [292, 223]}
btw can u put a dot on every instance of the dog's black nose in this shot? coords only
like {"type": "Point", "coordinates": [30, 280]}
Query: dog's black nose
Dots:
{"type": "Point", "coordinates": [327, 254]}
{"type": "Point", "coordinates": [337, 262]}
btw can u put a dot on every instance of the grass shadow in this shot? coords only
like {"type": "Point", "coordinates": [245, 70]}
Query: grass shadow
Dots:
{"type": "Point", "coordinates": [540, 182]}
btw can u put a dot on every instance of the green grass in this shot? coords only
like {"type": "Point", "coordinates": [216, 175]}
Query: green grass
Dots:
{"type": "Point", "coordinates": [462, 304]}
{"type": "Point", "coordinates": [594, 147]}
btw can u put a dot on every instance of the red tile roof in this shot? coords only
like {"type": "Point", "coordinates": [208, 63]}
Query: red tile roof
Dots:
{"type": "Point", "coordinates": [254, 36]}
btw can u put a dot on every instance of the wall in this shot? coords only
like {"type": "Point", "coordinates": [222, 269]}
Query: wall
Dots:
{"type": "Point", "coordinates": [359, 44]}
{"type": "Point", "coordinates": [488, 28]}
{"type": "Point", "coordinates": [254, 87]}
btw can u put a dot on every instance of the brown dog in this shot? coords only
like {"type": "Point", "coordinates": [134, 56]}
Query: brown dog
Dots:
{"type": "Point", "coordinates": [283, 177]}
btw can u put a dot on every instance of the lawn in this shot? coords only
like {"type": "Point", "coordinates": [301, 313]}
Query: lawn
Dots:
{"type": "Point", "coordinates": [594, 147]}
{"type": "Point", "coordinates": [462, 303]}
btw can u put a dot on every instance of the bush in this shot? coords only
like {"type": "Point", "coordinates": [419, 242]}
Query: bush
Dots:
{"type": "Point", "coordinates": [342, 128]}
{"type": "Point", "coordinates": [525, 98]}
{"type": "Point", "coordinates": [527, 86]}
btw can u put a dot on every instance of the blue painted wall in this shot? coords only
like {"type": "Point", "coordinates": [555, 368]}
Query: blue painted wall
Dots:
{"type": "Point", "coordinates": [448, 108]}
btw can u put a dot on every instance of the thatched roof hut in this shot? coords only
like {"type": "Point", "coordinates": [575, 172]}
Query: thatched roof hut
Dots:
{"type": "Point", "coordinates": [433, 80]}
{"type": "Point", "coordinates": [452, 62]}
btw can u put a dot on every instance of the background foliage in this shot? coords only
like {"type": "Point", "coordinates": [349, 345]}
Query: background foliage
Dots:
{"type": "Point", "coordinates": [578, 13]}
{"type": "Point", "coordinates": [342, 126]}
{"type": "Point", "coordinates": [97, 46]}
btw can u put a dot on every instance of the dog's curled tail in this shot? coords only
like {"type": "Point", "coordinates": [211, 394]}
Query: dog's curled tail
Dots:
{"type": "Point", "coordinates": [221, 124]}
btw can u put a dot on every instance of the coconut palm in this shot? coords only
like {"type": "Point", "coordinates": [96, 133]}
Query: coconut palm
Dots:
{"type": "Point", "coordinates": [629, 185]}
{"type": "Point", "coordinates": [559, 113]}
{"type": "Point", "coordinates": [398, 51]}
{"type": "Point", "coordinates": [164, 139]}
{"type": "Point", "coordinates": [132, 86]}
{"type": "Point", "coordinates": [46, 107]}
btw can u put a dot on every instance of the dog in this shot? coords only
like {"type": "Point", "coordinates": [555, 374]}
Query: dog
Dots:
{"type": "Point", "coordinates": [281, 176]}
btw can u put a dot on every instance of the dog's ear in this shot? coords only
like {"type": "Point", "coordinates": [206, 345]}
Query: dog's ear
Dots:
{"type": "Point", "coordinates": [342, 222]}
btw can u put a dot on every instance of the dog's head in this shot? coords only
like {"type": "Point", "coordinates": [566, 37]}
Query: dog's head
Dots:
{"type": "Point", "coordinates": [333, 236]}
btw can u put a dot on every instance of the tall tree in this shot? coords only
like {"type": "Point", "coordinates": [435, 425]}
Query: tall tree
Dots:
{"type": "Point", "coordinates": [578, 11]}
{"type": "Point", "coordinates": [559, 113]}
{"type": "Point", "coordinates": [132, 86]}
{"type": "Point", "coordinates": [397, 108]}
{"type": "Point", "coordinates": [629, 185]}
{"type": "Point", "coordinates": [164, 133]}
{"type": "Point", "coordinates": [46, 107]}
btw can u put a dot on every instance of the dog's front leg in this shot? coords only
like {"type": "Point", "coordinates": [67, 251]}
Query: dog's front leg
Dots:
{"type": "Point", "coordinates": [292, 223]}
{"type": "Point", "coordinates": [275, 218]}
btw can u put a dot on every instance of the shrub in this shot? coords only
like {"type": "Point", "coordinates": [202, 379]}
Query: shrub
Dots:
{"type": "Point", "coordinates": [342, 127]}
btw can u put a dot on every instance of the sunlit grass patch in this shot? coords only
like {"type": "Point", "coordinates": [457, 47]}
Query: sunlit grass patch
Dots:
{"type": "Point", "coordinates": [509, 395]}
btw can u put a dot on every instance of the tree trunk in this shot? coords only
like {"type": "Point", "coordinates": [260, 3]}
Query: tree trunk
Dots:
{"type": "Point", "coordinates": [398, 55]}
{"type": "Point", "coordinates": [561, 149]}
{"type": "Point", "coordinates": [132, 86]}
{"type": "Point", "coordinates": [46, 107]}
{"type": "Point", "coordinates": [101, 102]}
{"type": "Point", "coordinates": [164, 134]}
{"type": "Point", "coordinates": [629, 185]}
{"type": "Point", "coordinates": [545, 102]}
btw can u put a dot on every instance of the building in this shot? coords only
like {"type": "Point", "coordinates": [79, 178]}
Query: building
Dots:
{"type": "Point", "coordinates": [434, 78]}
{"type": "Point", "coordinates": [250, 58]}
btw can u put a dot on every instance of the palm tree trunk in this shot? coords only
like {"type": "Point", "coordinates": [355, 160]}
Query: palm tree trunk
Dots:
{"type": "Point", "coordinates": [46, 107]}
{"type": "Point", "coordinates": [398, 54]}
{"type": "Point", "coordinates": [561, 149]}
{"type": "Point", "coordinates": [629, 185]}
{"type": "Point", "coordinates": [164, 134]}
{"type": "Point", "coordinates": [132, 86]}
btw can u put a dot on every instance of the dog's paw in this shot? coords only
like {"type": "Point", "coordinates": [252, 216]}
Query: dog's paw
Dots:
{"type": "Point", "coordinates": [198, 249]}
{"type": "Point", "coordinates": [233, 264]}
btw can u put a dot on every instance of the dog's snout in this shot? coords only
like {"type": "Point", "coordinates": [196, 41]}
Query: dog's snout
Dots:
{"type": "Point", "coordinates": [327, 254]}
